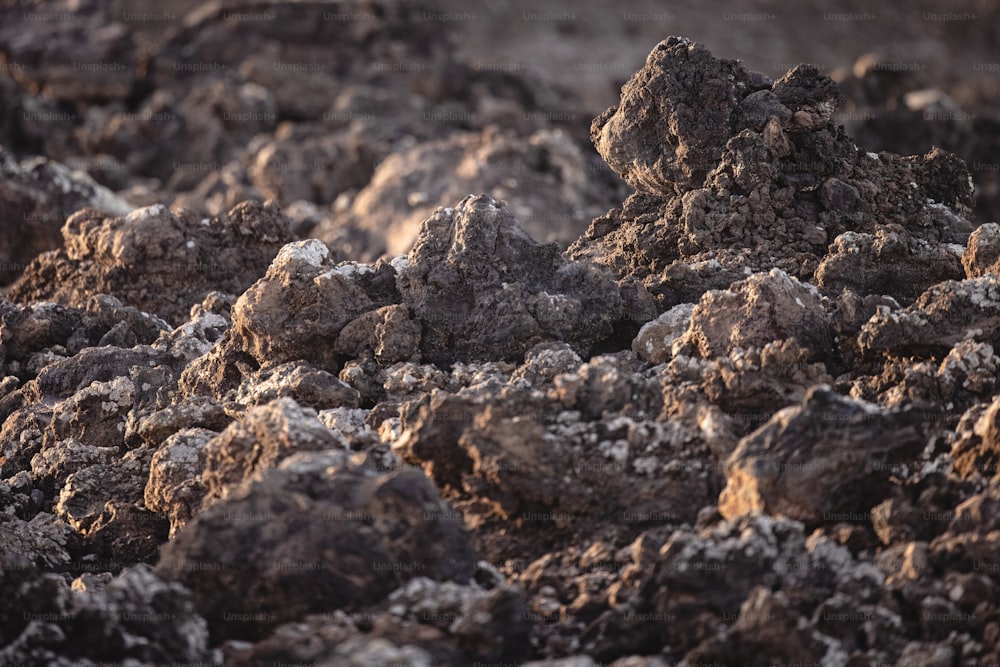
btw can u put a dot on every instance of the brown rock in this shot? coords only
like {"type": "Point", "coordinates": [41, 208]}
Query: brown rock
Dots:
{"type": "Point", "coordinates": [827, 456]}
{"type": "Point", "coordinates": [312, 537]}
{"type": "Point", "coordinates": [155, 260]}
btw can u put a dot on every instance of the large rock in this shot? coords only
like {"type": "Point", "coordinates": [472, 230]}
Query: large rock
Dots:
{"type": "Point", "coordinates": [756, 311]}
{"type": "Point", "coordinates": [483, 289]}
{"type": "Point", "coordinates": [156, 260]}
{"type": "Point", "coordinates": [313, 537]}
{"type": "Point", "coordinates": [944, 315]}
{"type": "Point", "coordinates": [266, 435]}
{"type": "Point", "coordinates": [829, 456]}
{"type": "Point", "coordinates": [733, 173]}
{"type": "Point", "coordinates": [675, 116]}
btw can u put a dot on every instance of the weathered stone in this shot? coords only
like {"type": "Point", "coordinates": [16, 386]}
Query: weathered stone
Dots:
{"type": "Point", "coordinates": [828, 456]}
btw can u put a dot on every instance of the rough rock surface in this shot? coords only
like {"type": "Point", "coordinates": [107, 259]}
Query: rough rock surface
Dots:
{"type": "Point", "coordinates": [363, 534]}
{"type": "Point", "coordinates": [818, 459]}
{"type": "Point", "coordinates": [483, 289]}
{"type": "Point", "coordinates": [749, 418]}
{"type": "Point", "coordinates": [36, 197]}
{"type": "Point", "coordinates": [753, 174]}
{"type": "Point", "coordinates": [156, 260]}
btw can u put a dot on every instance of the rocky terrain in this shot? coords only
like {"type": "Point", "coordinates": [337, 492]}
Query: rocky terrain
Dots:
{"type": "Point", "coordinates": [276, 389]}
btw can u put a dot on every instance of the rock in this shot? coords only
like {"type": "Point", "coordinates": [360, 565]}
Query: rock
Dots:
{"type": "Point", "coordinates": [825, 457]}
{"type": "Point", "coordinates": [327, 299]}
{"type": "Point", "coordinates": [762, 308]}
{"type": "Point", "coordinates": [746, 418]}
{"type": "Point", "coordinates": [311, 537]}
{"type": "Point", "coordinates": [976, 451]}
{"type": "Point", "coordinates": [890, 262]}
{"type": "Point", "coordinates": [37, 196]}
{"type": "Point", "coordinates": [174, 487]}
{"type": "Point", "coordinates": [156, 260]}
{"type": "Point", "coordinates": [769, 630]}
{"type": "Point", "coordinates": [751, 385]}
{"type": "Point", "coordinates": [266, 435]}
{"type": "Point", "coordinates": [33, 336]}
{"type": "Point", "coordinates": [681, 601]}
{"type": "Point", "coordinates": [309, 387]}
{"type": "Point", "coordinates": [686, 91]}
{"type": "Point", "coordinates": [730, 191]}
{"type": "Point", "coordinates": [135, 618]}
{"type": "Point", "coordinates": [982, 254]}
{"type": "Point", "coordinates": [39, 543]}
{"type": "Point", "coordinates": [483, 289]}
{"type": "Point", "coordinates": [85, 493]}
{"type": "Point", "coordinates": [655, 338]}
{"type": "Point", "coordinates": [388, 334]}
{"type": "Point", "coordinates": [944, 315]}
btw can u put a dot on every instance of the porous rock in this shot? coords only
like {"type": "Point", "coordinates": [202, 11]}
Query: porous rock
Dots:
{"type": "Point", "coordinates": [681, 89]}
{"type": "Point", "coordinates": [733, 172]}
{"type": "Point", "coordinates": [154, 259]}
{"type": "Point", "coordinates": [944, 315]}
{"type": "Point", "coordinates": [312, 537]}
{"type": "Point", "coordinates": [483, 289]}
{"type": "Point", "coordinates": [828, 455]}
{"type": "Point", "coordinates": [756, 311]}
{"type": "Point", "coordinates": [266, 435]}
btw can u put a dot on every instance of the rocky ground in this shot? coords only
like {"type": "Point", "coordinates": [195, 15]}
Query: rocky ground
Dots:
{"type": "Point", "coordinates": [275, 389]}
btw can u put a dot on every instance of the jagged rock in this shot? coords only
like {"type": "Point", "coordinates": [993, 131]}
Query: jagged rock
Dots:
{"type": "Point", "coordinates": [976, 451]}
{"type": "Point", "coordinates": [309, 387]}
{"type": "Point", "coordinates": [768, 630]}
{"type": "Point", "coordinates": [256, 425]}
{"type": "Point", "coordinates": [36, 197]}
{"type": "Point", "coordinates": [312, 537]}
{"type": "Point", "coordinates": [135, 618]}
{"type": "Point", "coordinates": [655, 339]}
{"type": "Point", "coordinates": [753, 312]}
{"type": "Point", "coordinates": [31, 336]}
{"type": "Point", "coordinates": [827, 456]}
{"type": "Point", "coordinates": [982, 253]}
{"type": "Point", "coordinates": [751, 385]}
{"type": "Point", "coordinates": [944, 315]}
{"type": "Point", "coordinates": [888, 262]}
{"type": "Point", "coordinates": [38, 543]}
{"type": "Point", "coordinates": [156, 260]}
{"type": "Point", "coordinates": [326, 299]}
{"type": "Point", "coordinates": [247, 449]}
{"type": "Point", "coordinates": [483, 289]}
{"type": "Point", "coordinates": [174, 487]}
{"type": "Point", "coordinates": [762, 180]}
{"type": "Point", "coordinates": [684, 90]}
